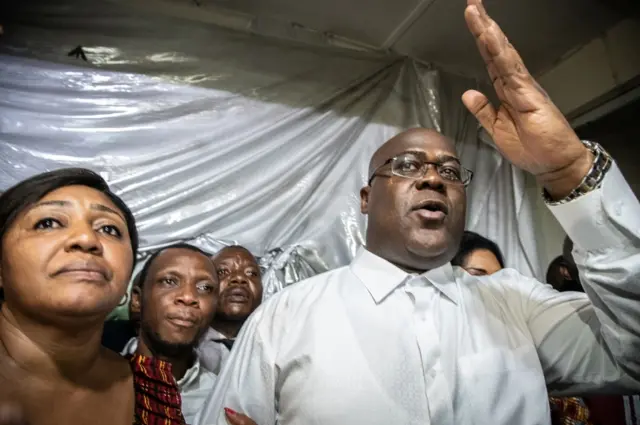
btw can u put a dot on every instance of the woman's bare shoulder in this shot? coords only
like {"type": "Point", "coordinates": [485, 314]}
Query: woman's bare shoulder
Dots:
{"type": "Point", "coordinates": [115, 365]}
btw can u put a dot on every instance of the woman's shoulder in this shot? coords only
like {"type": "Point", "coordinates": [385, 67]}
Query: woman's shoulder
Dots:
{"type": "Point", "coordinates": [115, 364]}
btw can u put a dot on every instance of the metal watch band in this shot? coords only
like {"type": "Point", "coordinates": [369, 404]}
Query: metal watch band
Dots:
{"type": "Point", "coordinates": [592, 180]}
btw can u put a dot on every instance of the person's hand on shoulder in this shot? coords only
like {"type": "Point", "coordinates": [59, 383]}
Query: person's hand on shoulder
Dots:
{"type": "Point", "coordinates": [233, 417]}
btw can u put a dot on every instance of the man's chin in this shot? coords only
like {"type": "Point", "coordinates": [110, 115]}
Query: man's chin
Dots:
{"type": "Point", "coordinates": [427, 242]}
{"type": "Point", "coordinates": [183, 338]}
{"type": "Point", "coordinates": [234, 313]}
{"type": "Point", "coordinates": [177, 345]}
{"type": "Point", "coordinates": [436, 247]}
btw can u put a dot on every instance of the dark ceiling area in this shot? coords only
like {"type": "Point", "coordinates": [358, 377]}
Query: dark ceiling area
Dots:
{"type": "Point", "coordinates": [617, 128]}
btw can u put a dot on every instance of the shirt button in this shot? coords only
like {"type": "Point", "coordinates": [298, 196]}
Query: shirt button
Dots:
{"type": "Point", "coordinates": [618, 208]}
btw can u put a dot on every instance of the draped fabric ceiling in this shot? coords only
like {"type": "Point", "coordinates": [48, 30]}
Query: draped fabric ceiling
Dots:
{"type": "Point", "coordinates": [215, 136]}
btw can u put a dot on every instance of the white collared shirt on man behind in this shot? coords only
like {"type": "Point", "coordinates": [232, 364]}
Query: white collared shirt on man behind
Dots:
{"type": "Point", "coordinates": [213, 354]}
{"type": "Point", "coordinates": [370, 344]}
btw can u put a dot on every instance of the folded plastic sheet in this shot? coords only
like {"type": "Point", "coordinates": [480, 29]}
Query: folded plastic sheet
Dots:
{"type": "Point", "coordinates": [217, 137]}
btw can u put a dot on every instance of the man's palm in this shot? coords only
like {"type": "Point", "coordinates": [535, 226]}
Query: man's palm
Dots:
{"type": "Point", "coordinates": [527, 127]}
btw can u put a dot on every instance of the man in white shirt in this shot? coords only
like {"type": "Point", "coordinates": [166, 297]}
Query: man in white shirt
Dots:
{"type": "Point", "coordinates": [176, 300]}
{"type": "Point", "coordinates": [240, 295]}
{"type": "Point", "coordinates": [481, 256]}
{"type": "Point", "coordinates": [400, 337]}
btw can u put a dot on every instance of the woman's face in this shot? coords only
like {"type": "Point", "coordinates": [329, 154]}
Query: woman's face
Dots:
{"type": "Point", "coordinates": [69, 255]}
{"type": "Point", "coordinates": [481, 262]}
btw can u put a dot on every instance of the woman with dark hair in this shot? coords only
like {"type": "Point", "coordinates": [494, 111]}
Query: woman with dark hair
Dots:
{"type": "Point", "coordinates": [478, 255]}
{"type": "Point", "coordinates": [67, 249]}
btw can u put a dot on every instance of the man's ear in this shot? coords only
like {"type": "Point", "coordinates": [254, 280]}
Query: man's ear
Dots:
{"type": "Point", "coordinates": [364, 199]}
{"type": "Point", "coordinates": [136, 300]}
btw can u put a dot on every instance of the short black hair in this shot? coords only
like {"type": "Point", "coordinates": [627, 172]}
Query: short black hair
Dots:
{"type": "Point", "coordinates": [557, 279]}
{"type": "Point", "coordinates": [142, 276]}
{"type": "Point", "coordinates": [24, 194]}
{"type": "Point", "coordinates": [261, 269]}
{"type": "Point", "coordinates": [554, 274]}
{"type": "Point", "coordinates": [471, 242]}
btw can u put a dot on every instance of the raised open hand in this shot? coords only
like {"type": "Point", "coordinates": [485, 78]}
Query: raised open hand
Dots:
{"type": "Point", "coordinates": [527, 127]}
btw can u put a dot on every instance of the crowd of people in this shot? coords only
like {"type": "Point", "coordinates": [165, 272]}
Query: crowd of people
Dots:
{"type": "Point", "coordinates": [68, 245]}
{"type": "Point", "coordinates": [425, 326]}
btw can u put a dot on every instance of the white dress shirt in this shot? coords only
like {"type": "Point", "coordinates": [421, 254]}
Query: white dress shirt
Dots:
{"type": "Point", "coordinates": [195, 386]}
{"type": "Point", "coordinates": [370, 344]}
{"type": "Point", "coordinates": [213, 353]}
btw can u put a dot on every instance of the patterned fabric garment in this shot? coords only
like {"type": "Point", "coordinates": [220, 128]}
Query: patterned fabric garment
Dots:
{"type": "Point", "coordinates": [569, 411]}
{"type": "Point", "coordinates": [157, 397]}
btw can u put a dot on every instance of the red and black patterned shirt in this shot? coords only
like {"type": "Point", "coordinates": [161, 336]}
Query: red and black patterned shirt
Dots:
{"type": "Point", "coordinates": [569, 411]}
{"type": "Point", "coordinates": [157, 396]}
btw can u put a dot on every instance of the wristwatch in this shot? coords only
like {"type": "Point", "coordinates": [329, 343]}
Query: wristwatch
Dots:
{"type": "Point", "coordinates": [592, 180]}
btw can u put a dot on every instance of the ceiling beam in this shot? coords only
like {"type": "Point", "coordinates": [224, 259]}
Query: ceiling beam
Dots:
{"type": "Point", "coordinates": [406, 23]}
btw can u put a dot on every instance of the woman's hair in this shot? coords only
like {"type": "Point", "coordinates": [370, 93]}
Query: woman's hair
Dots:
{"type": "Point", "coordinates": [560, 281]}
{"type": "Point", "coordinates": [472, 241]}
{"type": "Point", "coordinates": [16, 199]}
{"type": "Point", "coordinates": [554, 273]}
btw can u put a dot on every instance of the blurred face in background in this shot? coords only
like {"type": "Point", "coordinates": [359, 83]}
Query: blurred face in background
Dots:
{"type": "Point", "coordinates": [481, 262]}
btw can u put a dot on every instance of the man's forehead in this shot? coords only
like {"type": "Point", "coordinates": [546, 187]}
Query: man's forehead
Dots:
{"type": "Point", "coordinates": [173, 256]}
{"type": "Point", "coordinates": [429, 142]}
{"type": "Point", "coordinates": [234, 252]}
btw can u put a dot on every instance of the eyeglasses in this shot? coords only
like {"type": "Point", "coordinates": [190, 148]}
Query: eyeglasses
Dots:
{"type": "Point", "coordinates": [414, 166]}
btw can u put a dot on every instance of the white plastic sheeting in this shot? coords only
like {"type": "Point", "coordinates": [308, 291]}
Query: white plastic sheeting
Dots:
{"type": "Point", "coordinates": [215, 137]}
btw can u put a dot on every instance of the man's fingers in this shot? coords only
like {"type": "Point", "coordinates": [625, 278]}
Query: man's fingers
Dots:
{"type": "Point", "coordinates": [507, 61]}
{"type": "Point", "coordinates": [496, 81]}
{"type": "Point", "coordinates": [474, 20]}
{"type": "Point", "coordinates": [490, 40]}
{"type": "Point", "coordinates": [479, 105]}
{"type": "Point", "coordinates": [478, 20]}
{"type": "Point", "coordinates": [494, 47]}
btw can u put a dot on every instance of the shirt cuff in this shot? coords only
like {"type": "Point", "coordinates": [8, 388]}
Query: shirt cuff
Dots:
{"type": "Point", "coordinates": [605, 217]}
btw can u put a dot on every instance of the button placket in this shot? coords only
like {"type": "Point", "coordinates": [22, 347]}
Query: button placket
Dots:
{"type": "Point", "coordinates": [428, 339]}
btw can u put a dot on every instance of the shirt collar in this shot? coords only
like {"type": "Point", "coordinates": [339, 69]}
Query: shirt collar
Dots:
{"type": "Point", "coordinates": [130, 347]}
{"type": "Point", "coordinates": [190, 376]}
{"type": "Point", "coordinates": [213, 335]}
{"type": "Point", "coordinates": [381, 278]}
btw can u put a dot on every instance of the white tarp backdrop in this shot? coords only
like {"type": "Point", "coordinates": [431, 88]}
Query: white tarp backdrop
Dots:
{"type": "Point", "coordinates": [216, 136]}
